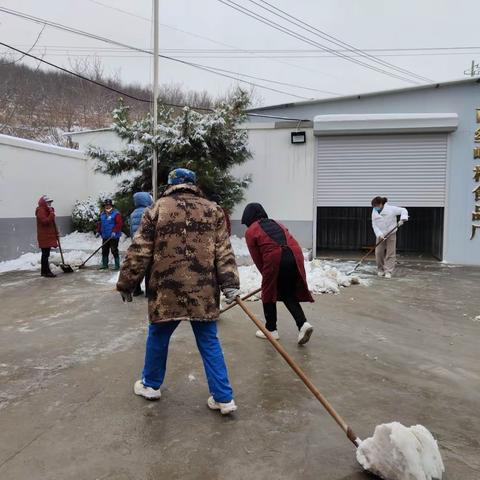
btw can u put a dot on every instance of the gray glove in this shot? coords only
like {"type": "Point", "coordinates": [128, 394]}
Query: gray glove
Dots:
{"type": "Point", "coordinates": [231, 294]}
{"type": "Point", "coordinates": [400, 223]}
{"type": "Point", "coordinates": [126, 296]}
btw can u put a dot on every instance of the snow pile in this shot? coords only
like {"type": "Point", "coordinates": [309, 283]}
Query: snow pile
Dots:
{"type": "Point", "coordinates": [250, 279]}
{"type": "Point", "coordinates": [322, 277]}
{"type": "Point", "coordinates": [76, 246]}
{"type": "Point", "coordinates": [239, 246]}
{"type": "Point", "coordinates": [88, 242]}
{"type": "Point", "coordinates": [29, 261]}
{"type": "Point", "coordinates": [396, 452]}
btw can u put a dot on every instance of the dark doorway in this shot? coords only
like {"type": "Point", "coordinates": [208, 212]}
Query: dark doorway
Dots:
{"type": "Point", "coordinates": [350, 228]}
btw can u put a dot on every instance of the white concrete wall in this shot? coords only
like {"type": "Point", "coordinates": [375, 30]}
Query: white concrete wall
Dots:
{"type": "Point", "coordinates": [282, 178]}
{"type": "Point", "coordinates": [31, 169]}
{"type": "Point", "coordinates": [282, 174]}
{"type": "Point", "coordinates": [104, 138]}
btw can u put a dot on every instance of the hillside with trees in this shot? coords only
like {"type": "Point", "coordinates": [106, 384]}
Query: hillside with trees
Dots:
{"type": "Point", "coordinates": [41, 104]}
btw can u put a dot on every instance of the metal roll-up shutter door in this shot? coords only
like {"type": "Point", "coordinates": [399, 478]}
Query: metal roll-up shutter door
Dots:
{"type": "Point", "coordinates": [409, 169]}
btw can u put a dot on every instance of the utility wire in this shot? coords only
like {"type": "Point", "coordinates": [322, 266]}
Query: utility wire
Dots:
{"type": "Point", "coordinates": [138, 49]}
{"type": "Point", "coordinates": [233, 51]}
{"type": "Point", "coordinates": [31, 48]}
{"type": "Point", "coordinates": [245, 57]}
{"type": "Point", "coordinates": [133, 97]}
{"type": "Point", "coordinates": [202, 37]}
{"type": "Point", "coordinates": [305, 39]}
{"type": "Point", "coordinates": [330, 38]}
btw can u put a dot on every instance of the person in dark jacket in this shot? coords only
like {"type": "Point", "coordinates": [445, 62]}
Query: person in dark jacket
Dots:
{"type": "Point", "coordinates": [279, 258]}
{"type": "Point", "coordinates": [47, 234]}
{"type": "Point", "coordinates": [109, 228]}
{"type": "Point", "coordinates": [141, 200]}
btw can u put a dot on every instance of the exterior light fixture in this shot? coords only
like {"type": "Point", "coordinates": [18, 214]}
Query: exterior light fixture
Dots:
{"type": "Point", "coordinates": [298, 137]}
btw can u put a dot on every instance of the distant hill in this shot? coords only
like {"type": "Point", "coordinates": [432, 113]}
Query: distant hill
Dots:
{"type": "Point", "coordinates": [42, 104]}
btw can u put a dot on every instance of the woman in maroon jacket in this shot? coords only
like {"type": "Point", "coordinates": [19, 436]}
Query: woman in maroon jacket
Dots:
{"type": "Point", "coordinates": [279, 258]}
{"type": "Point", "coordinates": [46, 232]}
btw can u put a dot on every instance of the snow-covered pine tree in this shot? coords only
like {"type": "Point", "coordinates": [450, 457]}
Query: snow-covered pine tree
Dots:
{"type": "Point", "coordinates": [210, 143]}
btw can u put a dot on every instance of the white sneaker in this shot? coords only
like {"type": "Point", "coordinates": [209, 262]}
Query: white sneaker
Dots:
{"type": "Point", "coordinates": [388, 275]}
{"type": "Point", "coordinates": [381, 274]}
{"type": "Point", "coordinates": [305, 333]}
{"type": "Point", "coordinates": [225, 408]}
{"type": "Point", "coordinates": [260, 334]}
{"type": "Point", "coordinates": [146, 392]}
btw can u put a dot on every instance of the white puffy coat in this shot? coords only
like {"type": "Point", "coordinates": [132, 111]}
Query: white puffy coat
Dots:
{"type": "Point", "coordinates": [386, 220]}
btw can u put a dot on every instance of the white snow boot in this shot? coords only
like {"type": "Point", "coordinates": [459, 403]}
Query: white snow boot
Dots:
{"type": "Point", "coordinates": [260, 334]}
{"type": "Point", "coordinates": [388, 275]}
{"type": "Point", "coordinates": [381, 274]}
{"type": "Point", "coordinates": [305, 333]}
{"type": "Point", "coordinates": [146, 392]}
{"type": "Point", "coordinates": [225, 408]}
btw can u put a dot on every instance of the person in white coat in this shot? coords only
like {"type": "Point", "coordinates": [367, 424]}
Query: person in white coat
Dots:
{"type": "Point", "coordinates": [384, 220]}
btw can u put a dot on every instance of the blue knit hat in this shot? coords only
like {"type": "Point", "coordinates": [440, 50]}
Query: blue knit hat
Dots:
{"type": "Point", "coordinates": [181, 175]}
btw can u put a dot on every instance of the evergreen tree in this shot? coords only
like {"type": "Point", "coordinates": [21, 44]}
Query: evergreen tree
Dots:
{"type": "Point", "coordinates": [208, 143]}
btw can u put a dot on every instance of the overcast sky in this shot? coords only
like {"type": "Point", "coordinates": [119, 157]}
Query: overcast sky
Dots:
{"type": "Point", "coordinates": [211, 25]}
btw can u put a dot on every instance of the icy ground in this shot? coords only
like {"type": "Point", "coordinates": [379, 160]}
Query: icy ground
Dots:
{"type": "Point", "coordinates": [322, 276]}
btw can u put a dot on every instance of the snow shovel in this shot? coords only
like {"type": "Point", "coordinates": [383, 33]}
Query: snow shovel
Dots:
{"type": "Point", "coordinates": [408, 451]}
{"type": "Point", "coordinates": [391, 232]}
{"type": "Point", "coordinates": [96, 251]}
{"type": "Point", "coordinates": [65, 267]}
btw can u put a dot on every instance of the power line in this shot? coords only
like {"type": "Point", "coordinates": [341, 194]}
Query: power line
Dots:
{"type": "Point", "coordinates": [82, 77]}
{"type": "Point", "coordinates": [241, 50]}
{"type": "Point", "coordinates": [138, 49]}
{"type": "Point", "coordinates": [330, 38]}
{"type": "Point", "coordinates": [202, 37]}
{"type": "Point", "coordinates": [305, 39]}
{"type": "Point", "coordinates": [143, 100]}
{"type": "Point", "coordinates": [93, 52]}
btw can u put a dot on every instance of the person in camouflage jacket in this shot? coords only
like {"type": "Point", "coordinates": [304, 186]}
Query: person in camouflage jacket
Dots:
{"type": "Point", "coordinates": [184, 238]}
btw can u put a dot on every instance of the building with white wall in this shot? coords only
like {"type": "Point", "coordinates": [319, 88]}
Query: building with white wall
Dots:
{"type": "Point", "coordinates": [102, 137]}
{"type": "Point", "coordinates": [30, 169]}
{"type": "Point", "coordinates": [418, 146]}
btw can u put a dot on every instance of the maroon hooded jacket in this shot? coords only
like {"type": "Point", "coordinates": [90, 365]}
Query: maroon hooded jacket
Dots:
{"type": "Point", "coordinates": [46, 229]}
{"type": "Point", "coordinates": [267, 253]}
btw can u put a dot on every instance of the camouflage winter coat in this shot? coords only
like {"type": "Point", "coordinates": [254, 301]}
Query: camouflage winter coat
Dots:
{"type": "Point", "coordinates": [185, 237]}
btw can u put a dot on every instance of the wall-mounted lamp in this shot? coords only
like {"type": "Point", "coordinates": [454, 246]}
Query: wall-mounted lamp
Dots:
{"type": "Point", "coordinates": [298, 137]}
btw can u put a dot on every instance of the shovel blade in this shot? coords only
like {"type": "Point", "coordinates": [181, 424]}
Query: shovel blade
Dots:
{"type": "Point", "coordinates": [66, 268]}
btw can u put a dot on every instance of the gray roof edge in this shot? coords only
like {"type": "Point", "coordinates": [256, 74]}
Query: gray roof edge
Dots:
{"type": "Point", "coordinates": [368, 94]}
{"type": "Point", "coordinates": [93, 130]}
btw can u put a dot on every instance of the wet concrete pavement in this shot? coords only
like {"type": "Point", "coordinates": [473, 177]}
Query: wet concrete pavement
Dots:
{"type": "Point", "coordinates": [70, 351]}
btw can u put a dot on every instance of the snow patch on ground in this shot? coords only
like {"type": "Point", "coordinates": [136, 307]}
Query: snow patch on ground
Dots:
{"type": "Point", "coordinates": [88, 242]}
{"type": "Point", "coordinates": [396, 452]}
{"type": "Point", "coordinates": [77, 247]}
{"type": "Point", "coordinates": [239, 246]}
{"type": "Point", "coordinates": [322, 276]}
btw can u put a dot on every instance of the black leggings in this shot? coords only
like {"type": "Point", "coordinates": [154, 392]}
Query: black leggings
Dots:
{"type": "Point", "coordinates": [288, 278]}
{"type": "Point", "coordinates": [111, 245]}
{"type": "Point", "coordinates": [44, 261]}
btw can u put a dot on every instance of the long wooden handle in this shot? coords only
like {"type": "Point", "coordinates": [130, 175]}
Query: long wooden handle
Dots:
{"type": "Point", "coordinates": [59, 244]}
{"type": "Point", "coordinates": [377, 244]}
{"type": "Point", "coordinates": [246, 297]}
{"type": "Point", "coordinates": [294, 366]}
{"type": "Point", "coordinates": [104, 243]}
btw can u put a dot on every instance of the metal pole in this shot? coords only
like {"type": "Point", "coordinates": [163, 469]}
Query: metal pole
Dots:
{"type": "Point", "coordinates": [155, 98]}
